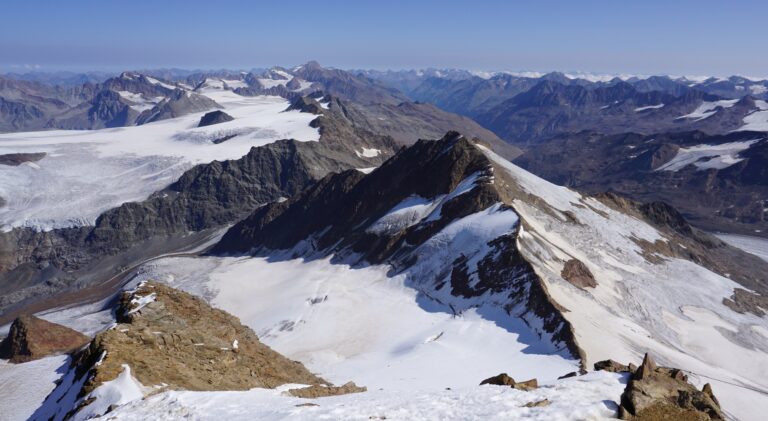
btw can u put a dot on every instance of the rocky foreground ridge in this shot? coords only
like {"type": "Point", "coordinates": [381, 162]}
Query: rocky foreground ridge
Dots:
{"type": "Point", "coordinates": [166, 339]}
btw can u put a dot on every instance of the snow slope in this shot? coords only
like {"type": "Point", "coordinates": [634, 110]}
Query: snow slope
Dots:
{"type": "Point", "coordinates": [755, 245]}
{"type": "Point", "coordinates": [581, 398]}
{"type": "Point", "coordinates": [23, 387]}
{"type": "Point", "coordinates": [758, 119]}
{"type": "Point", "coordinates": [88, 172]}
{"type": "Point", "coordinates": [360, 324]}
{"type": "Point", "coordinates": [671, 308]}
{"type": "Point", "coordinates": [705, 157]}
{"type": "Point", "coordinates": [709, 108]}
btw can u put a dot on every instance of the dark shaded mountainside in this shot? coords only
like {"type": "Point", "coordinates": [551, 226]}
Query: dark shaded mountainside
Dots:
{"type": "Point", "coordinates": [719, 182]}
{"type": "Point", "coordinates": [550, 108]}
{"type": "Point", "coordinates": [34, 264]}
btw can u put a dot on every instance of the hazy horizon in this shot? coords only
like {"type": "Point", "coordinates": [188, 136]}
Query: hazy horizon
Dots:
{"type": "Point", "coordinates": [701, 38]}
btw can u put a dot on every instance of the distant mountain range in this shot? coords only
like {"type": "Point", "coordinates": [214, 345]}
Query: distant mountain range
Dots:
{"type": "Point", "coordinates": [524, 109]}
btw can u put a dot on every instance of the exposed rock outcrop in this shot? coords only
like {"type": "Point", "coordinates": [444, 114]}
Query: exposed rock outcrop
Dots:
{"type": "Point", "coordinates": [614, 367]}
{"type": "Point", "coordinates": [31, 338]}
{"type": "Point", "coordinates": [577, 273]}
{"type": "Point", "coordinates": [504, 379]}
{"type": "Point", "coordinates": [177, 104]}
{"type": "Point", "coordinates": [660, 393]}
{"type": "Point", "coordinates": [16, 159]}
{"type": "Point", "coordinates": [320, 391]}
{"type": "Point", "coordinates": [166, 339]}
{"type": "Point", "coordinates": [214, 117]}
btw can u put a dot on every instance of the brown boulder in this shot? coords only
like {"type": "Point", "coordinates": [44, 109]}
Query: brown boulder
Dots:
{"type": "Point", "coordinates": [577, 273]}
{"type": "Point", "coordinates": [538, 404]}
{"type": "Point", "coordinates": [661, 393]}
{"type": "Point", "coordinates": [504, 379]}
{"type": "Point", "coordinates": [31, 338]}
{"type": "Point", "coordinates": [320, 391]}
{"type": "Point", "coordinates": [611, 366]}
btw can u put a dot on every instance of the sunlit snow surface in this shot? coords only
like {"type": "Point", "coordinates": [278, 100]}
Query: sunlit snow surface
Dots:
{"type": "Point", "coordinates": [709, 108]}
{"type": "Point", "coordinates": [360, 324]}
{"type": "Point", "coordinates": [23, 387]}
{"type": "Point", "coordinates": [672, 308]}
{"type": "Point", "coordinates": [705, 157]}
{"type": "Point", "coordinates": [757, 120]}
{"type": "Point", "coordinates": [754, 245]}
{"type": "Point", "coordinates": [579, 398]}
{"type": "Point", "coordinates": [88, 172]}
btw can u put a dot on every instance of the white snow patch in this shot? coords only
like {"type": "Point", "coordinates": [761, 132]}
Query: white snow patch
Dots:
{"type": "Point", "coordinates": [368, 153]}
{"type": "Point", "coordinates": [140, 103]}
{"type": "Point", "coordinates": [233, 84]}
{"type": "Point", "coordinates": [648, 107]}
{"type": "Point", "coordinates": [758, 89]}
{"type": "Point", "coordinates": [271, 83]}
{"type": "Point", "coordinates": [157, 82]}
{"type": "Point", "coordinates": [367, 170]}
{"type": "Point", "coordinates": [708, 156]}
{"type": "Point", "coordinates": [708, 109]}
{"type": "Point", "coordinates": [139, 302]}
{"type": "Point", "coordinates": [120, 391]}
{"type": "Point", "coordinates": [754, 245]}
{"type": "Point", "coordinates": [758, 119]}
{"type": "Point", "coordinates": [405, 214]}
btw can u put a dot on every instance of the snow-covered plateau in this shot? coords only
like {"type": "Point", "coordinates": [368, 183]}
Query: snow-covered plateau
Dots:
{"type": "Point", "coordinates": [87, 172]}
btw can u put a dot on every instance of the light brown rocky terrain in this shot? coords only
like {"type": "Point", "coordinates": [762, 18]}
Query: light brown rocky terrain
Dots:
{"type": "Point", "coordinates": [166, 339]}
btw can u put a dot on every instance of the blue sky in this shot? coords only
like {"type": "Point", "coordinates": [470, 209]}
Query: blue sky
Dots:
{"type": "Point", "coordinates": [643, 37]}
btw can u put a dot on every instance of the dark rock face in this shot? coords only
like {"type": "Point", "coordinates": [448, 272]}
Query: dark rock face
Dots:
{"type": "Point", "coordinates": [16, 159]}
{"type": "Point", "coordinates": [106, 109]}
{"type": "Point", "coordinates": [552, 108]}
{"type": "Point", "coordinates": [504, 379]}
{"type": "Point", "coordinates": [31, 338]}
{"type": "Point", "coordinates": [177, 104]}
{"type": "Point", "coordinates": [659, 393]}
{"type": "Point", "coordinates": [352, 198]}
{"type": "Point", "coordinates": [15, 115]}
{"type": "Point", "coordinates": [575, 272]}
{"type": "Point", "coordinates": [727, 199]}
{"type": "Point", "coordinates": [214, 117]}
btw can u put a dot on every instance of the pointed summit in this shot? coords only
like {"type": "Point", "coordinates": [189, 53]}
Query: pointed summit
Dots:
{"type": "Point", "coordinates": [646, 368]}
